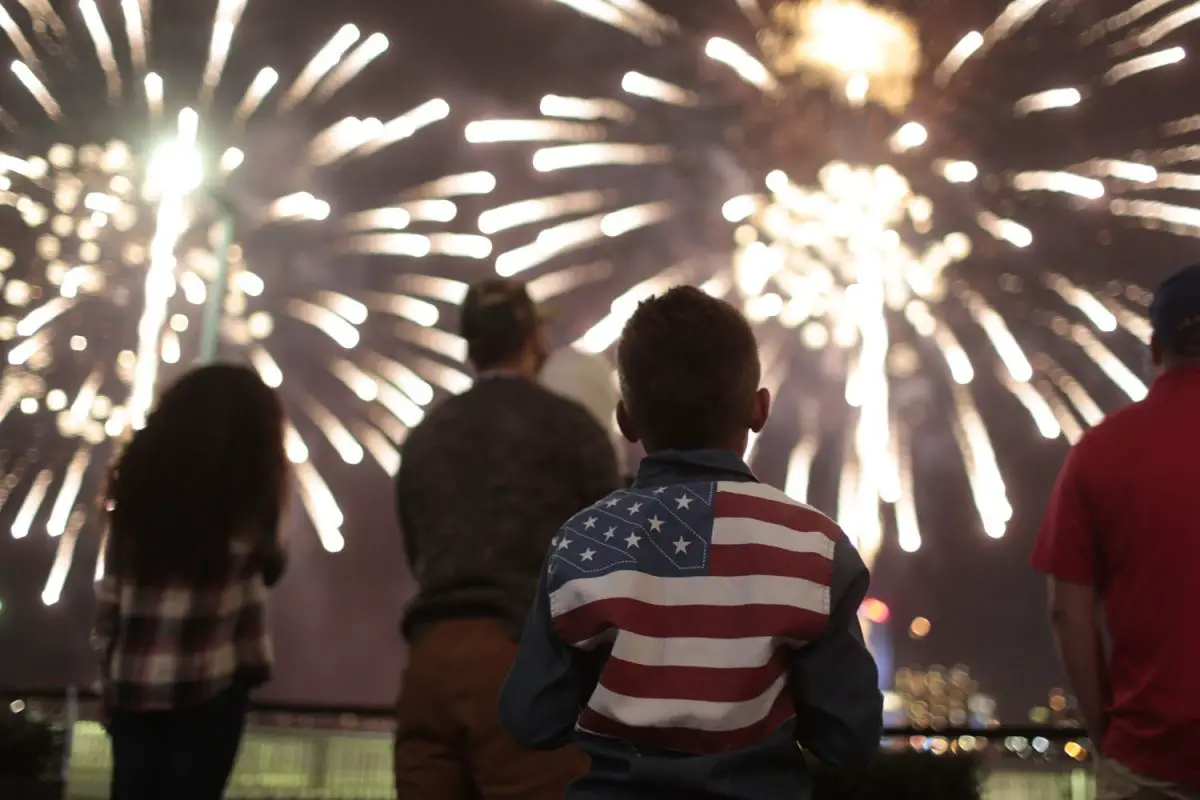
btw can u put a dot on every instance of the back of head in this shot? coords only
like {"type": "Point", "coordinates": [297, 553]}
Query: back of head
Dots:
{"type": "Point", "coordinates": [1175, 317]}
{"type": "Point", "coordinates": [689, 371]}
{"type": "Point", "coordinates": [208, 464]}
{"type": "Point", "coordinates": [498, 320]}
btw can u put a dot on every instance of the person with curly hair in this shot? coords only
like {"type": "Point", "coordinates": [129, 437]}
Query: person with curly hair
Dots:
{"type": "Point", "coordinates": [193, 505]}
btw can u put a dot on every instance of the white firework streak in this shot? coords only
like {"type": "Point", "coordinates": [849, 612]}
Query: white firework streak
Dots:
{"type": "Point", "coordinates": [116, 233]}
{"type": "Point", "coordinates": [841, 260]}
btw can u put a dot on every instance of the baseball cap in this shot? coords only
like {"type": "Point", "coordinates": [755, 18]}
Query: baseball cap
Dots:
{"type": "Point", "coordinates": [1175, 312]}
{"type": "Point", "coordinates": [498, 310]}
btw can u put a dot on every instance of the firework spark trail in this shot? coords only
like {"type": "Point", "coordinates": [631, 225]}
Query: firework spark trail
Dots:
{"type": "Point", "coordinates": [796, 259]}
{"type": "Point", "coordinates": [174, 182]}
{"type": "Point", "coordinates": [99, 195]}
{"type": "Point", "coordinates": [135, 31]}
{"type": "Point", "coordinates": [17, 37]}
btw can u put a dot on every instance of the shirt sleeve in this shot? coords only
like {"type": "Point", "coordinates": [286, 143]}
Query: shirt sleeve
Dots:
{"type": "Point", "coordinates": [839, 708]}
{"type": "Point", "coordinates": [599, 474]}
{"type": "Point", "coordinates": [107, 618]}
{"type": "Point", "coordinates": [269, 555]}
{"type": "Point", "coordinates": [1066, 545]}
{"type": "Point", "coordinates": [410, 539]}
{"type": "Point", "coordinates": [546, 687]}
{"type": "Point", "coordinates": [272, 561]}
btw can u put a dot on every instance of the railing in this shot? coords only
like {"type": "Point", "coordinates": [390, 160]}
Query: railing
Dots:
{"type": "Point", "coordinates": [306, 753]}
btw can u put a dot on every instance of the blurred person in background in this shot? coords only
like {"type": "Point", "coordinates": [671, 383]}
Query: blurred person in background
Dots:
{"type": "Point", "coordinates": [1121, 543]}
{"type": "Point", "coordinates": [587, 378]}
{"type": "Point", "coordinates": [193, 506]}
{"type": "Point", "coordinates": [484, 483]}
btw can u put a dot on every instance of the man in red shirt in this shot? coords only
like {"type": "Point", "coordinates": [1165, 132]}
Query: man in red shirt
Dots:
{"type": "Point", "coordinates": [1122, 536]}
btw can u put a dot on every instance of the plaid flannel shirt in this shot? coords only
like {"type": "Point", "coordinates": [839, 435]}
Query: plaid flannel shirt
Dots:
{"type": "Point", "coordinates": [173, 646]}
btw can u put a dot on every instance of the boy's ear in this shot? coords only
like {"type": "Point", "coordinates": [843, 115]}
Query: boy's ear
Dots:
{"type": "Point", "coordinates": [761, 410]}
{"type": "Point", "coordinates": [625, 424]}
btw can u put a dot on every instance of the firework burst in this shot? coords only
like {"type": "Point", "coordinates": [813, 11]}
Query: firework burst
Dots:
{"type": "Point", "coordinates": [155, 230]}
{"type": "Point", "coordinates": [898, 211]}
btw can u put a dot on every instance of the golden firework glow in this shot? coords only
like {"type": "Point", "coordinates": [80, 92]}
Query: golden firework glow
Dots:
{"type": "Point", "coordinates": [860, 267]}
{"type": "Point", "coordinates": [864, 52]}
{"type": "Point", "coordinates": [829, 260]}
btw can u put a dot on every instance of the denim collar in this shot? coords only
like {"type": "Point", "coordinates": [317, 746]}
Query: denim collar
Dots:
{"type": "Point", "coordinates": [489, 374]}
{"type": "Point", "coordinates": [674, 466]}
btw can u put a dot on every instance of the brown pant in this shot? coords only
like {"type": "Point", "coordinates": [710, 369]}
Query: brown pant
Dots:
{"type": "Point", "coordinates": [449, 741]}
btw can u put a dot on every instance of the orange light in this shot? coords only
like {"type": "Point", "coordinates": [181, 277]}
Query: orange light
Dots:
{"type": "Point", "coordinates": [876, 611]}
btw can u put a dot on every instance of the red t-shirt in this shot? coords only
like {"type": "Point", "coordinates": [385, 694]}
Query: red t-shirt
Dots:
{"type": "Point", "coordinates": [1125, 518]}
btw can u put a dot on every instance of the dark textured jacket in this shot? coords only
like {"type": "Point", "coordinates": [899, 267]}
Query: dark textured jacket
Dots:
{"type": "Point", "coordinates": [485, 481]}
{"type": "Point", "coordinates": [832, 679]}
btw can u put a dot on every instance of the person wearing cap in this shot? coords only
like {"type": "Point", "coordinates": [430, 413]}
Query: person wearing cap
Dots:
{"type": "Point", "coordinates": [484, 483]}
{"type": "Point", "coordinates": [1122, 537]}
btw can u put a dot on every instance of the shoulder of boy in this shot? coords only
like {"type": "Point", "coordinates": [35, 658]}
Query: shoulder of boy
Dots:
{"type": "Point", "coordinates": [587, 518]}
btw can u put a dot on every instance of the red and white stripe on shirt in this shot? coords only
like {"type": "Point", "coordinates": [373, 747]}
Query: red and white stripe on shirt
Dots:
{"type": "Point", "coordinates": [701, 649]}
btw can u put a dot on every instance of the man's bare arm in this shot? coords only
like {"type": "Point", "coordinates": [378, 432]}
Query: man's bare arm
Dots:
{"type": "Point", "coordinates": [1073, 613]}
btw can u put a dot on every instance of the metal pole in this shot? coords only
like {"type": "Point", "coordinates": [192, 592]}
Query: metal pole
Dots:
{"type": "Point", "coordinates": [210, 333]}
{"type": "Point", "coordinates": [71, 717]}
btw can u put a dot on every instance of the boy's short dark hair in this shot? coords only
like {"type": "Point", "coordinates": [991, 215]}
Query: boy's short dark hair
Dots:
{"type": "Point", "coordinates": [689, 370]}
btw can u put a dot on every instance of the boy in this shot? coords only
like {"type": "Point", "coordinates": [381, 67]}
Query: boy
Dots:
{"type": "Point", "coordinates": [691, 630]}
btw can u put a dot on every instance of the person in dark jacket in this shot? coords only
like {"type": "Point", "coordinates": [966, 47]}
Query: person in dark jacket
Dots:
{"type": "Point", "coordinates": [484, 483]}
{"type": "Point", "coordinates": [690, 631]}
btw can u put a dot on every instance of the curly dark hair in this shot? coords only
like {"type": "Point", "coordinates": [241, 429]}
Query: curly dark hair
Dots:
{"type": "Point", "coordinates": [689, 370]}
{"type": "Point", "coordinates": [208, 465]}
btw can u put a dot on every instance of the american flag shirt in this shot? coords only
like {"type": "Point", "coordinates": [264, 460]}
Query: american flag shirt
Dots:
{"type": "Point", "coordinates": [174, 646]}
{"type": "Point", "coordinates": [695, 614]}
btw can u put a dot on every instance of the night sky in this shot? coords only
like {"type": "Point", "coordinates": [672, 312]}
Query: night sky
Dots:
{"type": "Point", "coordinates": [335, 616]}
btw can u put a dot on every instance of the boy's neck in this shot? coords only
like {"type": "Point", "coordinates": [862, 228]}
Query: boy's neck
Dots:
{"type": "Point", "coordinates": [657, 451]}
{"type": "Point", "coordinates": [736, 448]}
